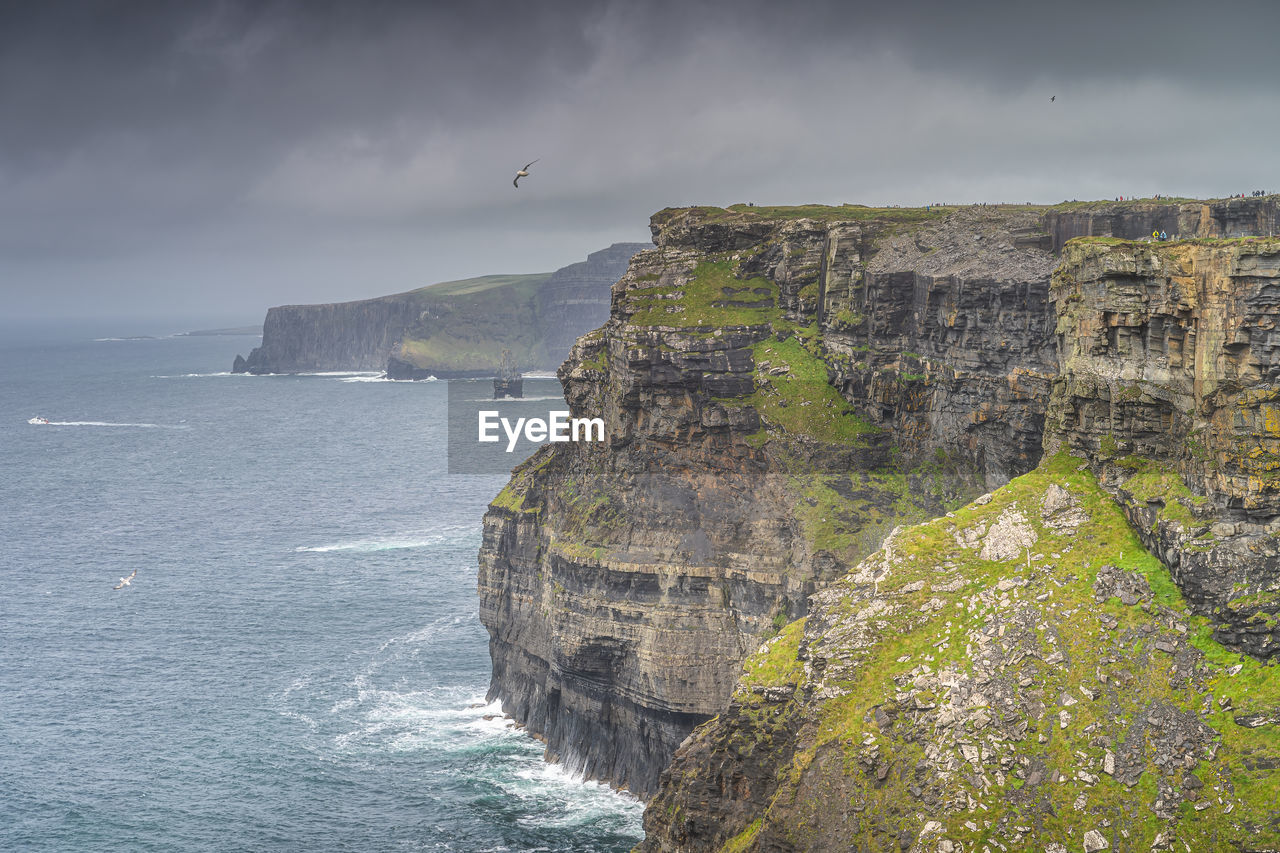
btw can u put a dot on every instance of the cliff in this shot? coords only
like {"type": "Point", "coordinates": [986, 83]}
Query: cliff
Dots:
{"type": "Point", "coordinates": [448, 329]}
{"type": "Point", "coordinates": [1168, 365]}
{"type": "Point", "coordinates": [339, 336]}
{"type": "Point", "coordinates": [781, 387]}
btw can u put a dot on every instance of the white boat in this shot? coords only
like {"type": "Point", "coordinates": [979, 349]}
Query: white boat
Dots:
{"type": "Point", "coordinates": [38, 420]}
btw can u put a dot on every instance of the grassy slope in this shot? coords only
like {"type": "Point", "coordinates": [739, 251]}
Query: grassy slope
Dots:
{"type": "Point", "coordinates": [1242, 801]}
{"type": "Point", "coordinates": [473, 320]}
{"type": "Point", "coordinates": [479, 284]}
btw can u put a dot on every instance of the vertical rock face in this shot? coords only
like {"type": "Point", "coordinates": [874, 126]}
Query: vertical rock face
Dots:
{"type": "Point", "coordinates": [780, 389]}
{"type": "Point", "coordinates": [945, 332]}
{"type": "Point", "coordinates": [338, 336]}
{"type": "Point", "coordinates": [576, 298]}
{"type": "Point", "coordinates": [1238, 217]}
{"type": "Point", "coordinates": [938, 330]}
{"type": "Point", "coordinates": [1170, 381]}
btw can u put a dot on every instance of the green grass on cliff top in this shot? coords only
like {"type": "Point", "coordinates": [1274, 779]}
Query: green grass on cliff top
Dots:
{"type": "Point", "coordinates": [471, 321]}
{"type": "Point", "coordinates": [829, 213]}
{"type": "Point", "coordinates": [859, 213]}
{"type": "Point", "coordinates": [934, 628]}
{"type": "Point", "coordinates": [465, 286]}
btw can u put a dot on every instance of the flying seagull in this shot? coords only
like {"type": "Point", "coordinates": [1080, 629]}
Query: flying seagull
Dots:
{"type": "Point", "coordinates": [1052, 98]}
{"type": "Point", "coordinates": [523, 173]}
{"type": "Point", "coordinates": [126, 581]}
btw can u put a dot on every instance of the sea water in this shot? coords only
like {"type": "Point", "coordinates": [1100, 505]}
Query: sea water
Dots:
{"type": "Point", "coordinates": [298, 663]}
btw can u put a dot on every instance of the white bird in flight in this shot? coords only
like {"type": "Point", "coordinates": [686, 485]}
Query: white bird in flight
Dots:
{"type": "Point", "coordinates": [126, 581]}
{"type": "Point", "coordinates": [523, 173]}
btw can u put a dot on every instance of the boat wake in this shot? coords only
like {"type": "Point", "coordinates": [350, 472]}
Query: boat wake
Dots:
{"type": "Point", "coordinates": [47, 422]}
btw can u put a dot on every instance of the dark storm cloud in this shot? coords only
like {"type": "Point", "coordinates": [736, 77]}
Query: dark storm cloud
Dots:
{"type": "Point", "coordinates": [199, 156]}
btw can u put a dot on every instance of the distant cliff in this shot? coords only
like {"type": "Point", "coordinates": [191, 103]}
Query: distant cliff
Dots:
{"type": "Point", "coordinates": [337, 336]}
{"type": "Point", "coordinates": [783, 386]}
{"type": "Point", "coordinates": [452, 328]}
{"type": "Point", "coordinates": [575, 299]}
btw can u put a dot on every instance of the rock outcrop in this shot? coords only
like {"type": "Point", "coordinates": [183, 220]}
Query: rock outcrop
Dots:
{"type": "Point", "coordinates": [1169, 382]}
{"type": "Point", "coordinates": [450, 329]}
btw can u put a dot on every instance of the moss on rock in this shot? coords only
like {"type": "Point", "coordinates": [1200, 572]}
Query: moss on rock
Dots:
{"type": "Point", "coordinates": [947, 701]}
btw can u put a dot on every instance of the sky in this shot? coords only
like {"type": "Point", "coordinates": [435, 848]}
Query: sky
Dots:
{"type": "Point", "coordinates": [208, 160]}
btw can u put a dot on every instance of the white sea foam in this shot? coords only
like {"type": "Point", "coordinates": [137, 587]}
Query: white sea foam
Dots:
{"type": "Point", "coordinates": [425, 721]}
{"type": "Point", "coordinates": [559, 399]}
{"type": "Point", "coordinates": [371, 546]}
{"type": "Point", "coordinates": [341, 375]}
{"type": "Point", "coordinates": [134, 338]}
{"type": "Point", "coordinates": [456, 728]}
{"type": "Point", "coordinates": [423, 635]}
{"type": "Point", "coordinates": [366, 546]}
{"type": "Point", "coordinates": [336, 373]}
{"type": "Point", "coordinates": [302, 718]}
{"type": "Point", "coordinates": [453, 534]}
{"type": "Point", "coordinates": [465, 731]}
{"type": "Point", "coordinates": [383, 379]}
{"type": "Point", "coordinates": [565, 799]}
{"type": "Point", "coordinates": [198, 375]}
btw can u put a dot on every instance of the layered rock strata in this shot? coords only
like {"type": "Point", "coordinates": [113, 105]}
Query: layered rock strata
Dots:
{"type": "Point", "coordinates": [1184, 218]}
{"type": "Point", "coordinates": [780, 388]}
{"type": "Point", "coordinates": [575, 299]}
{"type": "Point", "coordinates": [1169, 380]}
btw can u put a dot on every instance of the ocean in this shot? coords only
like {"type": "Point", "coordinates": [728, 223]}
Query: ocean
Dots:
{"type": "Point", "coordinates": [298, 663]}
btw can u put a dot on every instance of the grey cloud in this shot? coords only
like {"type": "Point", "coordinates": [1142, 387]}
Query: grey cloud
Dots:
{"type": "Point", "coordinates": [270, 152]}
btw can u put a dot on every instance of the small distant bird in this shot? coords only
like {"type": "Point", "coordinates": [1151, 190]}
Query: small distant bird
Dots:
{"type": "Point", "coordinates": [126, 581]}
{"type": "Point", "coordinates": [1053, 98]}
{"type": "Point", "coordinates": [523, 173]}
